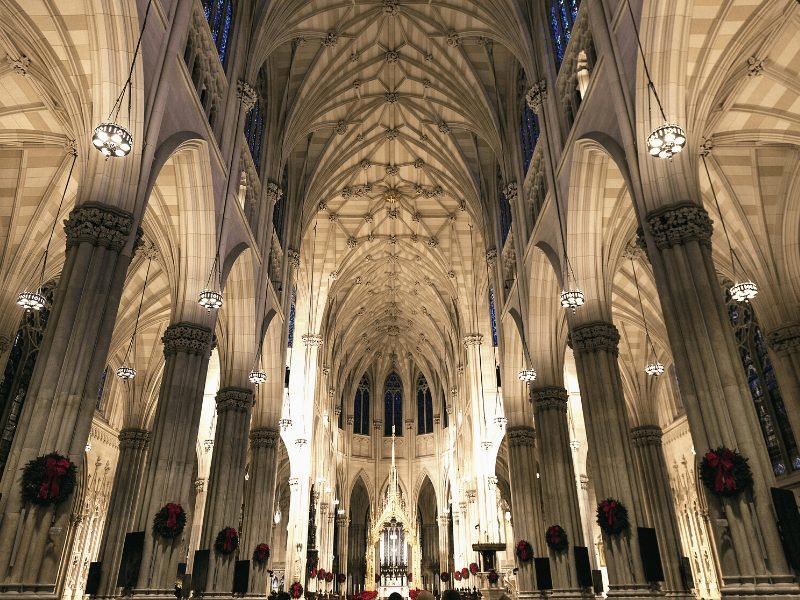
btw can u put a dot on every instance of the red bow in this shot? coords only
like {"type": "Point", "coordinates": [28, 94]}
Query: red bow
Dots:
{"type": "Point", "coordinates": [54, 470]}
{"type": "Point", "coordinates": [173, 510]}
{"type": "Point", "coordinates": [228, 542]}
{"type": "Point", "coordinates": [723, 463]}
{"type": "Point", "coordinates": [610, 510]}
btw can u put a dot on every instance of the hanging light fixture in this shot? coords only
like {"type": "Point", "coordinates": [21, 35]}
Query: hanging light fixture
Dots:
{"type": "Point", "coordinates": [740, 291]}
{"type": "Point", "coordinates": [110, 138]}
{"type": "Point", "coordinates": [572, 296]}
{"type": "Point", "coordinates": [668, 139]}
{"type": "Point", "coordinates": [125, 371]}
{"type": "Point", "coordinates": [36, 300]}
{"type": "Point", "coordinates": [653, 367]}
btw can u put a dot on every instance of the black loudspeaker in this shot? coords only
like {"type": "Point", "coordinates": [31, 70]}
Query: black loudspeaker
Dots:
{"type": "Point", "coordinates": [131, 560]}
{"type": "Point", "coordinates": [200, 571]}
{"type": "Point", "coordinates": [583, 566]}
{"type": "Point", "coordinates": [597, 581]}
{"type": "Point", "coordinates": [788, 524]}
{"type": "Point", "coordinates": [93, 579]}
{"type": "Point", "coordinates": [651, 557]}
{"type": "Point", "coordinates": [241, 576]}
{"type": "Point", "coordinates": [544, 581]}
{"type": "Point", "coordinates": [686, 573]}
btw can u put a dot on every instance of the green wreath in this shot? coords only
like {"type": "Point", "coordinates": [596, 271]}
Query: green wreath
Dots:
{"type": "Point", "coordinates": [725, 472]}
{"type": "Point", "coordinates": [612, 516]}
{"type": "Point", "coordinates": [48, 479]}
{"type": "Point", "coordinates": [261, 554]}
{"type": "Point", "coordinates": [556, 538]}
{"type": "Point", "coordinates": [169, 521]}
{"type": "Point", "coordinates": [227, 541]}
{"type": "Point", "coordinates": [296, 590]}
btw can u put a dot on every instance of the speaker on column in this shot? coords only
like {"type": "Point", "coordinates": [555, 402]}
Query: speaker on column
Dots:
{"type": "Point", "coordinates": [200, 571]}
{"type": "Point", "coordinates": [597, 581]}
{"type": "Point", "coordinates": [544, 581]}
{"type": "Point", "coordinates": [131, 560]}
{"type": "Point", "coordinates": [93, 578]}
{"type": "Point", "coordinates": [583, 566]}
{"type": "Point", "coordinates": [241, 576]}
{"type": "Point", "coordinates": [686, 573]}
{"type": "Point", "coordinates": [651, 557]}
{"type": "Point", "coordinates": [788, 524]}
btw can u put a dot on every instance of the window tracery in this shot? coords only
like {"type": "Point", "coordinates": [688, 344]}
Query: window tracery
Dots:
{"type": "Point", "coordinates": [219, 14]}
{"type": "Point", "coordinates": [393, 405]}
{"type": "Point", "coordinates": [361, 408]}
{"type": "Point", "coordinates": [424, 406]}
{"type": "Point", "coordinates": [562, 17]}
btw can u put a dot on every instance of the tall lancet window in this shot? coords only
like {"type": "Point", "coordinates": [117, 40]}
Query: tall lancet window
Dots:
{"type": "Point", "coordinates": [424, 406]}
{"type": "Point", "coordinates": [219, 14]}
{"type": "Point", "coordinates": [361, 408]}
{"type": "Point", "coordinates": [393, 405]}
{"type": "Point", "coordinates": [760, 375]}
{"type": "Point", "coordinates": [562, 17]}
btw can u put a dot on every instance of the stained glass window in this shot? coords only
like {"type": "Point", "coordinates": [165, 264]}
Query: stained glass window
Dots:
{"type": "Point", "coordinates": [763, 384]}
{"type": "Point", "coordinates": [219, 14]}
{"type": "Point", "coordinates": [493, 316]}
{"type": "Point", "coordinates": [292, 312]}
{"type": "Point", "coordinates": [393, 405]}
{"type": "Point", "coordinates": [361, 408]}
{"type": "Point", "coordinates": [562, 17]}
{"type": "Point", "coordinates": [254, 132]}
{"type": "Point", "coordinates": [424, 406]}
{"type": "Point", "coordinates": [528, 134]}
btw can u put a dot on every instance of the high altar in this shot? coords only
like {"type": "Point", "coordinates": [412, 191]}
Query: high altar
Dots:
{"type": "Point", "coordinates": [393, 543]}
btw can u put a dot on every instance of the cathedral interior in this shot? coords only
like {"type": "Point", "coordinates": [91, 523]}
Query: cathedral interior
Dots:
{"type": "Point", "coordinates": [359, 297]}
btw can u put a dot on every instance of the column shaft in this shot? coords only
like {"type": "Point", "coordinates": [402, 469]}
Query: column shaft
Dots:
{"type": "Point", "coordinates": [525, 500]}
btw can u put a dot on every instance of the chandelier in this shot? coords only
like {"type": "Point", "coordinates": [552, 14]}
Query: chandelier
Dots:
{"type": "Point", "coordinates": [527, 375]}
{"type": "Point", "coordinates": [257, 377]}
{"type": "Point", "coordinates": [109, 137]}
{"type": "Point", "coordinates": [125, 371]}
{"type": "Point", "coordinates": [572, 299]}
{"type": "Point", "coordinates": [31, 300]}
{"type": "Point", "coordinates": [210, 299]}
{"type": "Point", "coordinates": [653, 368]}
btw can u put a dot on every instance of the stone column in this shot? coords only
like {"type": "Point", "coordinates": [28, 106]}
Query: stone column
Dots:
{"type": "Point", "coordinates": [525, 501]}
{"type": "Point", "coordinates": [57, 414]}
{"type": "Point", "coordinates": [122, 505]}
{"type": "Point", "coordinates": [444, 549]}
{"type": "Point", "coordinates": [658, 506]}
{"type": "Point", "coordinates": [200, 489]}
{"type": "Point", "coordinates": [611, 465]}
{"type": "Point", "coordinates": [785, 345]}
{"type": "Point", "coordinates": [169, 471]}
{"type": "Point", "coordinates": [714, 391]}
{"type": "Point", "coordinates": [343, 524]}
{"type": "Point", "coordinates": [226, 484]}
{"type": "Point", "coordinates": [297, 526]}
{"type": "Point", "coordinates": [559, 493]}
{"type": "Point", "coordinates": [259, 503]}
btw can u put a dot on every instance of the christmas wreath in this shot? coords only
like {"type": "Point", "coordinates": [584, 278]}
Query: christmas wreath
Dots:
{"type": "Point", "coordinates": [296, 590]}
{"type": "Point", "coordinates": [227, 540]}
{"type": "Point", "coordinates": [457, 575]}
{"type": "Point", "coordinates": [444, 576]}
{"type": "Point", "coordinates": [473, 568]}
{"type": "Point", "coordinates": [48, 479]}
{"type": "Point", "coordinates": [725, 472]}
{"type": "Point", "coordinates": [465, 573]}
{"type": "Point", "coordinates": [612, 516]}
{"type": "Point", "coordinates": [261, 554]}
{"type": "Point", "coordinates": [556, 538]}
{"type": "Point", "coordinates": [328, 577]}
{"type": "Point", "coordinates": [313, 572]}
{"type": "Point", "coordinates": [321, 574]}
{"type": "Point", "coordinates": [493, 577]}
{"type": "Point", "coordinates": [524, 551]}
{"type": "Point", "coordinates": [169, 521]}
{"type": "Point", "coordinates": [341, 578]}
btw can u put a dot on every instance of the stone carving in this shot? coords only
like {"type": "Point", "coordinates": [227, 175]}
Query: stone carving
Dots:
{"type": "Point", "coordinates": [391, 134]}
{"type": "Point", "coordinates": [20, 65]}
{"type": "Point", "coordinates": [392, 56]}
{"type": "Point", "coordinates": [786, 339]}
{"type": "Point", "coordinates": [246, 94]}
{"type": "Point", "coordinates": [443, 127]}
{"type": "Point", "coordinates": [679, 224]}
{"type": "Point", "coordinates": [391, 97]}
{"type": "Point", "coordinates": [232, 398]}
{"type": "Point", "coordinates": [755, 66]}
{"type": "Point", "coordinates": [550, 398]}
{"type": "Point", "coordinates": [312, 340]}
{"type": "Point", "coordinates": [521, 436]}
{"type": "Point", "coordinates": [134, 439]}
{"type": "Point", "coordinates": [331, 39]}
{"type": "Point", "coordinates": [294, 258]}
{"type": "Point", "coordinates": [341, 127]}
{"type": "Point", "coordinates": [473, 339]}
{"type": "Point", "coordinates": [537, 95]}
{"type": "Point", "coordinates": [187, 338]}
{"type": "Point", "coordinates": [453, 39]}
{"type": "Point", "coordinates": [391, 7]}
{"type": "Point", "coordinates": [594, 336]}
{"type": "Point", "coordinates": [264, 437]}
{"type": "Point", "coordinates": [491, 257]}
{"type": "Point", "coordinates": [99, 225]}
{"type": "Point", "coordinates": [274, 192]}
{"type": "Point", "coordinates": [511, 192]}
{"type": "Point", "coordinates": [646, 435]}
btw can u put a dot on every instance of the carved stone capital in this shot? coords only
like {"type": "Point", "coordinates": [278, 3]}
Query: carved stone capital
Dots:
{"type": "Point", "coordinates": [294, 484]}
{"type": "Point", "coordinates": [264, 437]}
{"type": "Point", "coordinates": [312, 340]}
{"type": "Point", "coordinates": [232, 398]}
{"type": "Point", "coordinates": [274, 193]}
{"type": "Point", "coordinates": [444, 520]}
{"type": "Point", "coordinates": [377, 425]}
{"type": "Point", "coordinates": [537, 95]}
{"type": "Point", "coordinates": [5, 344]}
{"type": "Point", "coordinates": [131, 438]}
{"type": "Point", "coordinates": [511, 192]}
{"type": "Point", "coordinates": [491, 257]}
{"type": "Point", "coordinates": [187, 338]}
{"type": "Point", "coordinates": [594, 336]}
{"type": "Point", "coordinates": [99, 225]}
{"type": "Point", "coordinates": [679, 224]}
{"type": "Point", "coordinates": [550, 398]}
{"type": "Point", "coordinates": [294, 258]}
{"type": "Point", "coordinates": [785, 339]}
{"type": "Point", "coordinates": [646, 435]}
{"type": "Point", "coordinates": [521, 436]}
{"type": "Point", "coordinates": [437, 419]}
{"type": "Point", "coordinates": [199, 485]}
{"type": "Point", "coordinates": [342, 521]}
{"type": "Point", "coordinates": [247, 94]}
{"type": "Point", "coordinates": [350, 419]}
{"type": "Point", "coordinates": [473, 339]}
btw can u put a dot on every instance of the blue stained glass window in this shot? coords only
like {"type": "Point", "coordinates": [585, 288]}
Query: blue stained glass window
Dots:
{"type": "Point", "coordinates": [760, 374]}
{"type": "Point", "coordinates": [528, 134]}
{"type": "Point", "coordinates": [254, 133]}
{"type": "Point", "coordinates": [562, 17]}
{"type": "Point", "coordinates": [361, 408]}
{"type": "Point", "coordinates": [219, 14]}
{"type": "Point", "coordinates": [424, 406]}
{"type": "Point", "coordinates": [292, 311]}
{"type": "Point", "coordinates": [493, 316]}
{"type": "Point", "coordinates": [393, 405]}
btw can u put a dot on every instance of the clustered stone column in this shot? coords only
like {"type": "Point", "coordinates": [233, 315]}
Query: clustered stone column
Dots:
{"type": "Point", "coordinates": [525, 500]}
{"type": "Point", "coordinates": [226, 483]}
{"type": "Point", "coordinates": [122, 505]}
{"type": "Point", "coordinates": [444, 547]}
{"type": "Point", "coordinates": [169, 473]}
{"type": "Point", "coordinates": [559, 494]}
{"type": "Point", "coordinates": [259, 500]}
{"type": "Point", "coordinates": [715, 394]}
{"type": "Point", "coordinates": [596, 346]}
{"type": "Point", "coordinates": [57, 415]}
{"type": "Point", "coordinates": [343, 525]}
